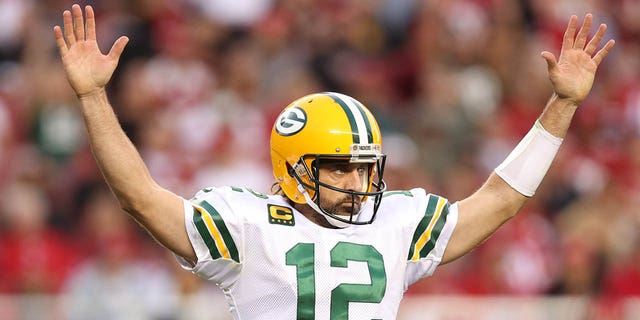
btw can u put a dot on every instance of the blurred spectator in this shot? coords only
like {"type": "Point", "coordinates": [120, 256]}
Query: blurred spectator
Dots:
{"type": "Point", "coordinates": [12, 16]}
{"type": "Point", "coordinates": [34, 257]}
{"type": "Point", "coordinates": [116, 280]}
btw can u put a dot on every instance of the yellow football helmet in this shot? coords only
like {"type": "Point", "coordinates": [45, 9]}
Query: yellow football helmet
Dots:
{"type": "Point", "coordinates": [326, 126]}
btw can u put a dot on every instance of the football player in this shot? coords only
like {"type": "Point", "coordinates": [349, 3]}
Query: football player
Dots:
{"type": "Point", "coordinates": [331, 242]}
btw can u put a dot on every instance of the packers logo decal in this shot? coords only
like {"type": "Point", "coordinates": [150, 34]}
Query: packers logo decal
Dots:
{"type": "Point", "coordinates": [291, 121]}
{"type": "Point", "coordinates": [281, 215]}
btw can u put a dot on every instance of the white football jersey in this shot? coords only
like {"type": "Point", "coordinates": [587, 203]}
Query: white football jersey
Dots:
{"type": "Point", "coordinates": [273, 263]}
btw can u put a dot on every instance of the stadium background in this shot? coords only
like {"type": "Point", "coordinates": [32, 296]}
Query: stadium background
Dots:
{"type": "Point", "coordinates": [455, 84]}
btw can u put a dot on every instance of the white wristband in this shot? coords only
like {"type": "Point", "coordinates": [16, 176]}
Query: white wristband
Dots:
{"type": "Point", "coordinates": [528, 163]}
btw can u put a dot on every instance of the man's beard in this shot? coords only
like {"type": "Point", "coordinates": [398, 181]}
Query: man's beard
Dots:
{"type": "Point", "coordinates": [345, 207]}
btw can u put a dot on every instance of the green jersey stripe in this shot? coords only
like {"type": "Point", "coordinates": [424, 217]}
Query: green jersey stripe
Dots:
{"type": "Point", "coordinates": [435, 233]}
{"type": "Point", "coordinates": [224, 232]}
{"type": "Point", "coordinates": [204, 233]}
{"type": "Point", "coordinates": [424, 223]}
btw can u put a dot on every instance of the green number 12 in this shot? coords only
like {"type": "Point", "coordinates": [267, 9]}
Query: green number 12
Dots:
{"type": "Point", "coordinates": [302, 256]}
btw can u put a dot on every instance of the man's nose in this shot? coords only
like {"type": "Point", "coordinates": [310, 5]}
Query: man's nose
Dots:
{"type": "Point", "coordinates": [354, 181]}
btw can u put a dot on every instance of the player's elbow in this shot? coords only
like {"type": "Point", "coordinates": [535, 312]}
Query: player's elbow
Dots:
{"type": "Point", "coordinates": [135, 204]}
{"type": "Point", "coordinates": [499, 199]}
{"type": "Point", "coordinates": [132, 206]}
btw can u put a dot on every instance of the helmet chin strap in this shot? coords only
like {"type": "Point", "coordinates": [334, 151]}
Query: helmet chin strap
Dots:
{"type": "Point", "coordinates": [333, 221]}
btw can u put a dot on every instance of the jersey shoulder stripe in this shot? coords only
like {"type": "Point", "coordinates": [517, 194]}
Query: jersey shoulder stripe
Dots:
{"type": "Point", "coordinates": [429, 229]}
{"type": "Point", "coordinates": [214, 232]}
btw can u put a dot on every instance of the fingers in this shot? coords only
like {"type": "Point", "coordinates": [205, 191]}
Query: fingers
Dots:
{"type": "Point", "coordinates": [68, 27]}
{"type": "Point", "coordinates": [567, 40]}
{"type": "Point", "coordinates": [118, 48]}
{"type": "Point", "coordinates": [595, 41]}
{"type": "Point", "coordinates": [74, 27]}
{"type": "Point", "coordinates": [62, 45]}
{"type": "Point", "coordinates": [603, 52]}
{"type": "Point", "coordinates": [581, 38]}
{"type": "Point", "coordinates": [78, 22]}
{"type": "Point", "coordinates": [91, 23]}
{"type": "Point", "coordinates": [551, 60]}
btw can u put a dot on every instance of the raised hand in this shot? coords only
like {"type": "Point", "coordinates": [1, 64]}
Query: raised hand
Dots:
{"type": "Point", "coordinates": [88, 70]}
{"type": "Point", "coordinates": [572, 74]}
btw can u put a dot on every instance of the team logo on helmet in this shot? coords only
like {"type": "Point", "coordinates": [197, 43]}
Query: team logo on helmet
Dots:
{"type": "Point", "coordinates": [291, 121]}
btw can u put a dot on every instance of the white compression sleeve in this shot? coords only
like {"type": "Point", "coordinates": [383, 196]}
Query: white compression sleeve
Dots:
{"type": "Point", "coordinates": [528, 163]}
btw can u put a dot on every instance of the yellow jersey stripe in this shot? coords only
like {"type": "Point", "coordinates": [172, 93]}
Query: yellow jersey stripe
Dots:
{"type": "Point", "coordinates": [213, 230]}
{"type": "Point", "coordinates": [427, 233]}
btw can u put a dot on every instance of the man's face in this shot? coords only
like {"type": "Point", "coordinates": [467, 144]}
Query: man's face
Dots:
{"type": "Point", "coordinates": [344, 175]}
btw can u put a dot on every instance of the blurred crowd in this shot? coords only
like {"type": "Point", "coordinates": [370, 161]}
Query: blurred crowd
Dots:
{"type": "Point", "coordinates": [455, 84]}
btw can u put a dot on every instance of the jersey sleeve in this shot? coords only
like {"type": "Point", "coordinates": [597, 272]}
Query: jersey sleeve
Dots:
{"type": "Point", "coordinates": [430, 238]}
{"type": "Point", "coordinates": [215, 233]}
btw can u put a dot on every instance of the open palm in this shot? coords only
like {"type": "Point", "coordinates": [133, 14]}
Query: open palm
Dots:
{"type": "Point", "coordinates": [88, 70]}
{"type": "Point", "coordinates": [573, 73]}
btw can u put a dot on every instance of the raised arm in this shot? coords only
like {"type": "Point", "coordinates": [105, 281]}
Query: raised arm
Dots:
{"type": "Point", "coordinates": [515, 180]}
{"type": "Point", "coordinates": [88, 71]}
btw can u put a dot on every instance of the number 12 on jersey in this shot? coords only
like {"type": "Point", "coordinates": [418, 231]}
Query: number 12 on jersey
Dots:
{"type": "Point", "coordinates": [302, 256]}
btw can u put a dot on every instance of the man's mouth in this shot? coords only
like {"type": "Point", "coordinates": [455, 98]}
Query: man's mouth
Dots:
{"type": "Point", "coordinates": [350, 207]}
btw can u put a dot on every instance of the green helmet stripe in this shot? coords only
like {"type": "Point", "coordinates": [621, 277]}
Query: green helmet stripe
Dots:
{"type": "Point", "coordinates": [367, 124]}
{"type": "Point", "coordinates": [358, 120]}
